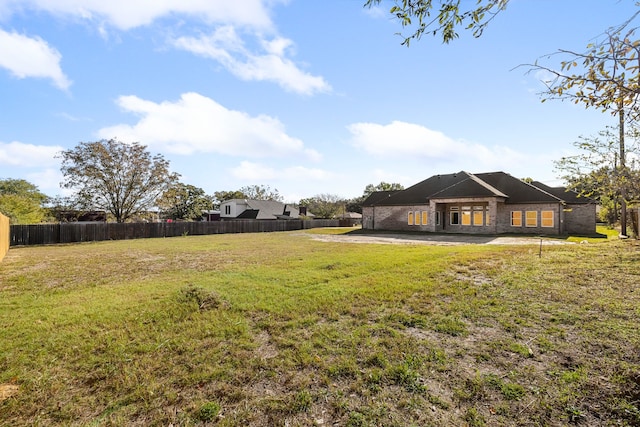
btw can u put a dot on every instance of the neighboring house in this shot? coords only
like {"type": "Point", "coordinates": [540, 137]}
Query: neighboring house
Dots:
{"type": "Point", "coordinates": [353, 218]}
{"type": "Point", "coordinates": [350, 215]}
{"type": "Point", "coordinates": [257, 209]}
{"type": "Point", "coordinates": [484, 203]}
{"type": "Point", "coordinates": [81, 216]}
{"type": "Point", "coordinates": [211, 215]}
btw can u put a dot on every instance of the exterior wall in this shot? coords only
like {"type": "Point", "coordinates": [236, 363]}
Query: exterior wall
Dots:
{"type": "Point", "coordinates": [394, 218]}
{"type": "Point", "coordinates": [367, 217]}
{"type": "Point", "coordinates": [503, 222]}
{"type": "Point", "coordinates": [236, 207]}
{"type": "Point", "coordinates": [573, 219]}
{"type": "Point", "coordinates": [580, 219]}
{"type": "Point", "coordinates": [447, 206]}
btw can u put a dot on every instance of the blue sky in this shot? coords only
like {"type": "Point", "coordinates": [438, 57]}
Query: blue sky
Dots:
{"type": "Point", "coordinates": [307, 97]}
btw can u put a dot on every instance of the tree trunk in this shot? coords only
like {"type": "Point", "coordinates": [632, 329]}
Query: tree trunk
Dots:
{"type": "Point", "coordinates": [621, 174]}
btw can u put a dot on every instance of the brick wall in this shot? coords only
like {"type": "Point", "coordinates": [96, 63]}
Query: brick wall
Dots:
{"type": "Point", "coordinates": [504, 218]}
{"type": "Point", "coordinates": [580, 219]}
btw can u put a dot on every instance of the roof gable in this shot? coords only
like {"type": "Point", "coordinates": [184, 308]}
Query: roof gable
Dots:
{"type": "Point", "coordinates": [563, 193]}
{"type": "Point", "coordinates": [377, 197]}
{"type": "Point", "coordinates": [264, 209]}
{"type": "Point", "coordinates": [517, 190]}
{"type": "Point", "coordinates": [464, 185]}
{"type": "Point", "coordinates": [470, 187]}
{"type": "Point", "coordinates": [270, 209]}
{"type": "Point", "coordinates": [419, 193]}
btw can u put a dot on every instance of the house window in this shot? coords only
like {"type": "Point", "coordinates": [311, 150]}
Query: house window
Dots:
{"type": "Point", "coordinates": [425, 217]}
{"type": "Point", "coordinates": [227, 210]}
{"type": "Point", "coordinates": [532, 219]}
{"type": "Point", "coordinates": [410, 218]}
{"type": "Point", "coordinates": [516, 218]}
{"type": "Point", "coordinates": [487, 218]}
{"type": "Point", "coordinates": [546, 218]}
{"type": "Point", "coordinates": [478, 212]}
{"type": "Point", "coordinates": [454, 216]}
{"type": "Point", "coordinates": [466, 215]}
{"type": "Point", "coordinates": [416, 217]}
{"type": "Point", "coordinates": [437, 217]}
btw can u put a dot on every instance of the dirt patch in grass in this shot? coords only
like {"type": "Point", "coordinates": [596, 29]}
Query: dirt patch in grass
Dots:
{"type": "Point", "coordinates": [8, 390]}
{"type": "Point", "coordinates": [434, 239]}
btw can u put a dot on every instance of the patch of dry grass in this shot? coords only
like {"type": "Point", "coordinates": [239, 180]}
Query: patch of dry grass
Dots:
{"type": "Point", "coordinates": [279, 329]}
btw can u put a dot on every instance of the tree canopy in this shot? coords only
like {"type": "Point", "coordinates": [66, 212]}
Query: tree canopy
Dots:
{"type": "Point", "coordinates": [253, 192]}
{"type": "Point", "coordinates": [324, 205]}
{"type": "Point", "coordinates": [261, 192]}
{"type": "Point", "coordinates": [383, 186]}
{"type": "Point", "coordinates": [123, 179]}
{"type": "Point", "coordinates": [598, 172]}
{"type": "Point", "coordinates": [183, 201]}
{"type": "Point", "coordinates": [423, 17]}
{"type": "Point", "coordinates": [605, 76]}
{"type": "Point", "coordinates": [21, 201]}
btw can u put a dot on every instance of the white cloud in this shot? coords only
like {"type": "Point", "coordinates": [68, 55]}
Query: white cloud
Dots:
{"type": "Point", "coordinates": [31, 57]}
{"type": "Point", "coordinates": [48, 181]}
{"type": "Point", "coordinates": [28, 155]}
{"type": "Point", "coordinates": [196, 123]}
{"type": "Point", "coordinates": [402, 139]}
{"type": "Point", "coordinates": [410, 141]}
{"type": "Point", "coordinates": [225, 46]}
{"type": "Point", "coordinates": [128, 14]}
{"type": "Point", "coordinates": [270, 63]}
{"type": "Point", "coordinates": [377, 12]}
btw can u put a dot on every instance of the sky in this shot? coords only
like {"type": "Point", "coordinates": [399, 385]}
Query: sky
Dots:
{"type": "Point", "coordinates": [307, 97]}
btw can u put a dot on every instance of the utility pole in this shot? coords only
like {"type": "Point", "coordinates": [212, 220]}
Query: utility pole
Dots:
{"type": "Point", "coordinates": [622, 181]}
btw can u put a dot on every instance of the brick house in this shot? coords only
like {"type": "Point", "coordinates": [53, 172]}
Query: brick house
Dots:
{"type": "Point", "coordinates": [484, 203]}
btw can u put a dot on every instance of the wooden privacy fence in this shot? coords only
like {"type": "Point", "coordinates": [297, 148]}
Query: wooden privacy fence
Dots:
{"type": "Point", "coordinates": [45, 234]}
{"type": "Point", "coordinates": [635, 221]}
{"type": "Point", "coordinates": [4, 236]}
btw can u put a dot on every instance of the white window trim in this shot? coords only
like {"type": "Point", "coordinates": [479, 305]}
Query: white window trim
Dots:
{"type": "Point", "coordinates": [553, 219]}
{"type": "Point", "coordinates": [512, 218]}
{"type": "Point", "coordinates": [526, 219]}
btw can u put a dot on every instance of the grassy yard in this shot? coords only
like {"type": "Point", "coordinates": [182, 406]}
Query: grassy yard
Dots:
{"type": "Point", "coordinates": [279, 329]}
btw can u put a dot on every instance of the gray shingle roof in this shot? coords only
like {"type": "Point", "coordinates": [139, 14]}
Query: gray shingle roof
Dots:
{"type": "Point", "coordinates": [564, 194]}
{"type": "Point", "coordinates": [378, 196]}
{"type": "Point", "coordinates": [464, 185]}
{"type": "Point", "coordinates": [267, 209]}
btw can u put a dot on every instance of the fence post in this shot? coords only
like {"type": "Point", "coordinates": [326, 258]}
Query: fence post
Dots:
{"type": "Point", "coordinates": [4, 236]}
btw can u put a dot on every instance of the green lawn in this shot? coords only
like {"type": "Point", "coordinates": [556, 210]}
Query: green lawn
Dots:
{"type": "Point", "coordinates": [278, 329]}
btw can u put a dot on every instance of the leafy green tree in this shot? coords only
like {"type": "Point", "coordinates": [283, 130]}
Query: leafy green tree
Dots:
{"type": "Point", "coordinates": [64, 208]}
{"type": "Point", "coordinates": [324, 205]}
{"type": "Point", "coordinates": [261, 192]}
{"type": "Point", "coordinates": [383, 186]}
{"type": "Point", "coordinates": [423, 17]}
{"type": "Point", "coordinates": [22, 202]}
{"type": "Point", "coordinates": [183, 201]}
{"type": "Point", "coordinates": [123, 179]}
{"type": "Point", "coordinates": [607, 77]}
{"type": "Point", "coordinates": [221, 196]}
{"type": "Point", "coordinates": [596, 171]}
{"type": "Point", "coordinates": [253, 192]}
{"type": "Point", "coordinates": [355, 204]}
